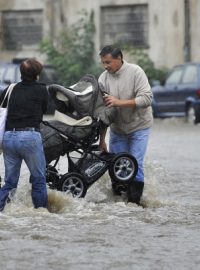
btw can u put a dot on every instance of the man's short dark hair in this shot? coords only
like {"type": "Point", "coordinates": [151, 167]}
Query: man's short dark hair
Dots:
{"type": "Point", "coordinates": [115, 52]}
{"type": "Point", "coordinates": [30, 69]}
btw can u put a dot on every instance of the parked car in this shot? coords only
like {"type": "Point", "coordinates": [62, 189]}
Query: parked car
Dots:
{"type": "Point", "coordinates": [179, 94]}
{"type": "Point", "coordinates": [10, 73]}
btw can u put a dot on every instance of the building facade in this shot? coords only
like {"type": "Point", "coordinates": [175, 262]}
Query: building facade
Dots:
{"type": "Point", "coordinates": [167, 30]}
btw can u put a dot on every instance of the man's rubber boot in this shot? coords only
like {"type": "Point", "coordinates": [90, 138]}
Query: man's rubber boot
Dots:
{"type": "Point", "coordinates": [134, 192]}
{"type": "Point", "coordinates": [118, 189]}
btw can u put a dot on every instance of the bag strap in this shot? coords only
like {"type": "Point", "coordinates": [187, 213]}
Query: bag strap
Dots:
{"type": "Point", "coordinates": [8, 93]}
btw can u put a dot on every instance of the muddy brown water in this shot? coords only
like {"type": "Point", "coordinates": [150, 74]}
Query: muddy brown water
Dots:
{"type": "Point", "coordinates": [101, 231]}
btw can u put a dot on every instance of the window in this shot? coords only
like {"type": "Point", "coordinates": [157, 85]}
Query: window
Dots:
{"type": "Point", "coordinates": [2, 71]}
{"type": "Point", "coordinates": [125, 24]}
{"type": "Point", "coordinates": [18, 75]}
{"type": "Point", "coordinates": [174, 77]}
{"type": "Point", "coordinates": [9, 76]}
{"type": "Point", "coordinates": [190, 75]}
{"type": "Point", "coordinates": [21, 28]}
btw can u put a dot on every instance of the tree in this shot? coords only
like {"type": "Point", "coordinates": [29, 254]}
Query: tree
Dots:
{"type": "Point", "coordinates": [141, 58]}
{"type": "Point", "coordinates": [72, 55]}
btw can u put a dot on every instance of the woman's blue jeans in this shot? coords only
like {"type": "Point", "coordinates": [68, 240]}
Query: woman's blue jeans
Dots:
{"type": "Point", "coordinates": [27, 146]}
{"type": "Point", "coordinates": [135, 144]}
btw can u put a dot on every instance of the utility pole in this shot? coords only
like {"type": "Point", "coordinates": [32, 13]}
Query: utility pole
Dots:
{"type": "Point", "coordinates": [187, 39]}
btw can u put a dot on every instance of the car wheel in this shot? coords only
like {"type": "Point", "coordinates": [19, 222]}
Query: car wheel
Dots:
{"type": "Point", "coordinates": [123, 168]}
{"type": "Point", "coordinates": [73, 183]}
{"type": "Point", "coordinates": [191, 115]}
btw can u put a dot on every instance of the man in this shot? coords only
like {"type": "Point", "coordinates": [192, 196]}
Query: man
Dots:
{"type": "Point", "coordinates": [22, 139]}
{"type": "Point", "coordinates": [129, 91]}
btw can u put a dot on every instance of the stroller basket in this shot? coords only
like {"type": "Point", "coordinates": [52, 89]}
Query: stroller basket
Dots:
{"type": "Point", "coordinates": [88, 164]}
{"type": "Point", "coordinates": [59, 138]}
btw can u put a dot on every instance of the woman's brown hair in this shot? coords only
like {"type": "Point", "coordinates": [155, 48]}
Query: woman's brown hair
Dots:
{"type": "Point", "coordinates": [30, 69]}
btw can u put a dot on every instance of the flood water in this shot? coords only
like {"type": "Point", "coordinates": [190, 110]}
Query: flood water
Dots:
{"type": "Point", "coordinates": [103, 232]}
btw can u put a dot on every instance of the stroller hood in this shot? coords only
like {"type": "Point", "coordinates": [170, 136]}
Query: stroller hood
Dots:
{"type": "Point", "coordinates": [85, 98]}
{"type": "Point", "coordinates": [80, 98]}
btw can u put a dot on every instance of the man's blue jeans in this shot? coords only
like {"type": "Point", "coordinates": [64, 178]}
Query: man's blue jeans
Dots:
{"type": "Point", "coordinates": [27, 146]}
{"type": "Point", "coordinates": [135, 144]}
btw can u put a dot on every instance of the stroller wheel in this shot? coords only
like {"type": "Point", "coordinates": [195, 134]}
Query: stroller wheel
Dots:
{"type": "Point", "coordinates": [123, 168]}
{"type": "Point", "coordinates": [52, 177]}
{"type": "Point", "coordinates": [74, 183]}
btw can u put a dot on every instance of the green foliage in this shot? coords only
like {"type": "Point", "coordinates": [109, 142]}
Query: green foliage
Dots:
{"type": "Point", "coordinates": [141, 58]}
{"type": "Point", "coordinates": [72, 55]}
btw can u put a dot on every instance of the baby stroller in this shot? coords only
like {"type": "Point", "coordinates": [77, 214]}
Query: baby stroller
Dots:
{"type": "Point", "coordinates": [79, 117]}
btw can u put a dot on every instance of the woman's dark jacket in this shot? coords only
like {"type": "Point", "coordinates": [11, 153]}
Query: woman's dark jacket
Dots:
{"type": "Point", "coordinates": [27, 104]}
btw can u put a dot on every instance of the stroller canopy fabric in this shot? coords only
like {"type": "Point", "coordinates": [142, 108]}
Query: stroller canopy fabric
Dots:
{"type": "Point", "coordinates": [85, 98]}
{"type": "Point", "coordinates": [77, 108]}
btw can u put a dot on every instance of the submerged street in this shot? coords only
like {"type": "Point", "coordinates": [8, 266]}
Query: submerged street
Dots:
{"type": "Point", "coordinates": [103, 232]}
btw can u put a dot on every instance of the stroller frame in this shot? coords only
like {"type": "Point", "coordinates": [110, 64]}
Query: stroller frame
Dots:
{"type": "Point", "coordinates": [85, 170]}
{"type": "Point", "coordinates": [79, 102]}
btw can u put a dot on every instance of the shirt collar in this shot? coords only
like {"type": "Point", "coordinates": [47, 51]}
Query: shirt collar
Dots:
{"type": "Point", "coordinates": [121, 70]}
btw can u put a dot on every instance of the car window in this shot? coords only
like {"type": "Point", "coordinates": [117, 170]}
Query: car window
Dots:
{"type": "Point", "coordinates": [2, 70]}
{"type": "Point", "coordinates": [174, 77]}
{"type": "Point", "coordinates": [190, 75]}
{"type": "Point", "coordinates": [10, 74]}
{"type": "Point", "coordinates": [18, 75]}
{"type": "Point", "coordinates": [48, 75]}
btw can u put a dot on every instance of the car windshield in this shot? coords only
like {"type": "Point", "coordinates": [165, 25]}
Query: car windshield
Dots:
{"type": "Point", "coordinates": [174, 77]}
{"type": "Point", "coordinates": [18, 75]}
{"type": "Point", "coordinates": [9, 75]}
{"type": "Point", "coordinates": [2, 70]}
{"type": "Point", "coordinates": [48, 75]}
{"type": "Point", "coordinates": [190, 75]}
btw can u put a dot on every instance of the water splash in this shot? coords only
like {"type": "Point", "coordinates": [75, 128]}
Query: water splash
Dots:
{"type": "Point", "coordinates": [99, 193]}
{"type": "Point", "coordinates": [58, 201]}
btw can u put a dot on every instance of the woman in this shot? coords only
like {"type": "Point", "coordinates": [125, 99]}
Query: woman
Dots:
{"type": "Point", "coordinates": [22, 138]}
